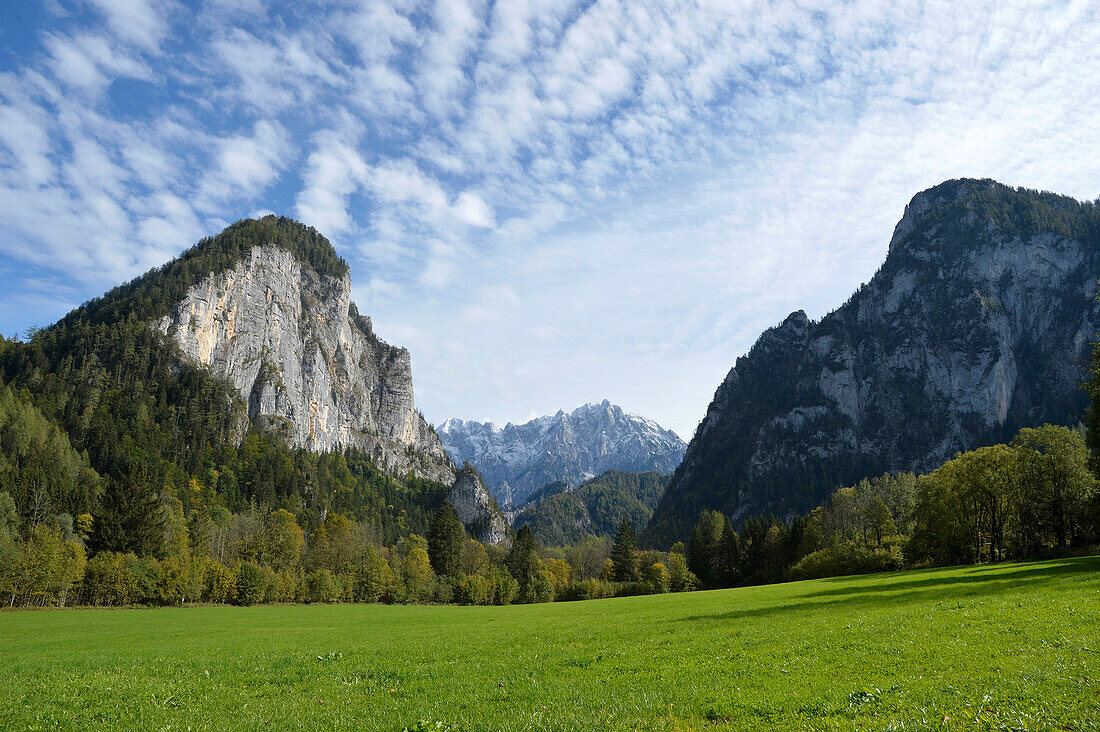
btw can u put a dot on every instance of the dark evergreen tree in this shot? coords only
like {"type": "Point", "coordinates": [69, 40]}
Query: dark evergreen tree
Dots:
{"type": "Point", "coordinates": [623, 561]}
{"type": "Point", "coordinates": [129, 518]}
{"type": "Point", "coordinates": [1092, 414]}
{"type": "Point", "coordinates": [530, 574]}
{"type": "Point", "coordinates": [727, 555]}
{"type": "Point", "coordinates": [524, 548]}
{"type": "Point", "coordinates": [446, 540]}
{"type": "Point", "coordinates": [703, 547]}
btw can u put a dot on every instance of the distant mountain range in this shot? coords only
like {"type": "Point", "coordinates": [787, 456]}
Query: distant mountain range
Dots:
{"type": "Point", "coordinates": [517, 460]}
{"type": "Point", "coordinates": [978, 323]}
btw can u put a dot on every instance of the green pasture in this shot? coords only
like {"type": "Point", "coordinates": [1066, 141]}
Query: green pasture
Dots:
{"type": "Point", "coordinates": [1007, 647]}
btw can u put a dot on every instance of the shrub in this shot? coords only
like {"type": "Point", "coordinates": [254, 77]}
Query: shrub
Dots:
{"type": "Point", "coordinates": [146, 575]}
{"type": "Point", "coordinates": [286, 586]}
{"type": "Point", "coordinates": [471, 590]}
{"type": "Point", "coordinates": [252, 583]}
{"type": "Point", "coordinates": [656, 577]}
{"type": "Point", "coordinates": [589, 589]}
{"type": "Point", "coordinates": [220, 582]}
{"type": "Point", "coordinates": [680, 578]}
{"type": "Point", "coordinates": [321, 587]}
{"type": "Point", "coordinates": [373, 579]}
{"type": "Point", "coordinates": [847, 557]}
{"type": "Point", "coordinates": [108, 580]}
{"type": "Point", "coordinates": [502, 587]}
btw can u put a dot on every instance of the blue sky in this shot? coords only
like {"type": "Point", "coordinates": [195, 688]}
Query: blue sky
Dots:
{"type": "Point", "coordinates": [548, 203]}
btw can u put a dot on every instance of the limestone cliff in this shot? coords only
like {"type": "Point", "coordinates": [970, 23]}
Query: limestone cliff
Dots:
{"type": "Point", "coordinates": [477, 509]}
{"type": "Point", "coordinates": [306, 363]}
{"type": "Point", "coordinates": [978, 323]}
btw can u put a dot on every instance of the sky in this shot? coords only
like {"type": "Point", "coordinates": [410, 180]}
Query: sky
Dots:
{"type": "Point", "coordinates": [548, 202]}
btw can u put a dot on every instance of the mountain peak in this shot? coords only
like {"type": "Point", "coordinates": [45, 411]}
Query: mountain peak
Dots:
{"type": "Point", "coordinates": [976, 325]}
{"type": "Point", "coordinates": [152, 295]}
{"type": "Point", "coordinates": [569, 447]}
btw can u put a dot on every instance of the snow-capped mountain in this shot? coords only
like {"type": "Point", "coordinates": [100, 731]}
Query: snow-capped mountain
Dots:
{"type": "Point", "coordinates": [518, 459]}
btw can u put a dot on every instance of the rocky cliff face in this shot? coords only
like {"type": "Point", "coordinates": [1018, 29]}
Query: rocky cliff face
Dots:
{"type": "Point", "coordinates": [519, 459]}
{"type": "Point", "coordinates": [978, 323]}
{"type": "Point", "coordinates": [306, 363]}
{"type": "Point", "coordinates": [477, 509]}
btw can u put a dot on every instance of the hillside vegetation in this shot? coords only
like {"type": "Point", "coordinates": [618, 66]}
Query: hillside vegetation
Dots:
{"type": "Point", "coordinates": [560, 514]}
{"type": "Point", "coordinates": [1008, 647]}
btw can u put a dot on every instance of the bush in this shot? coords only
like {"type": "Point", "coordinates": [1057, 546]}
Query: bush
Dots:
{"type": "Point", "coordinates": [471, 589]}
{"type": "Point", "coordinates": [174, 581]}
{"type": "Point", "coordinates": [373, 579]}
{"type": "Point", "coordinates": [108, 580]}
{"type": "Point", "coordinates": [252, 583]}
{"type": "Point", "coordinates": [847, 558]}
{"type": "Point", "coordinates": [146, 575]}
{"type": "Point", "coordinates": [220, 582]}
{"type": "Point", "coordinates": [589, 589]}
{"type": "Point", "coordinates": [656, 577]}
{"type": "Point", "coordinates": [321, 587]}
{"type": "Point", "coordinates": [680, 578]}
{"type": "Point", "coordinates": [285, 587]}
{"type": "Point", "coordinates": [502, 587]}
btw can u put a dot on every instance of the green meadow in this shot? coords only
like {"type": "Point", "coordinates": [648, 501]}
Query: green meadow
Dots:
{"type": "Point", "coordinates": [1008, 647]}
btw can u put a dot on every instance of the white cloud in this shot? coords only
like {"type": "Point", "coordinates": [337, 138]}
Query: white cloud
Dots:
{"type": "Point", "coordinates": [622, 193]}
{"type": "Point", "coordinates": [245, 165]}
{"type": "Point", "coordinates": [137, 21]}
{"type": "Point", "coordinates": [334, 171]}
{"type": "Point", "coordinates": [469, 208]}
{"type": "Point", "coordinates": [91, 62]}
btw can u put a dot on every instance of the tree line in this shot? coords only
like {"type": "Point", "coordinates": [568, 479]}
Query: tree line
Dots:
{"type": "Point", "coordinates": [263, 555]}
{"type": "Point", "coordinates": [1036, 496]}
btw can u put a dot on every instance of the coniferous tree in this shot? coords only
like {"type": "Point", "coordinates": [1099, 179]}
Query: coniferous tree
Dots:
{"type": "Point", "coordinates": [130, 517]}
{"type": "Point", "coordinates": [446, 540]}
{"type": "Point", "coordinates": [727, 555]}
{"type": "Point", "coordinates": [1092, 433]}
{"type": "Point", "coordinates": [703, 547]}
{"type": "Point", "coordinates": [624, 563]}
{"type": "Point", "coordinates": [523, 549]}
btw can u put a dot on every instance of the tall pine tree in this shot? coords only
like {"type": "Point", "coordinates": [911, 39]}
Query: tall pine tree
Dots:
{"type": "Point", "coordinates": [446, 538]}
{"type": "Point", "coordinates": [129, 518]}
{"type": "Point", "coordinates": [623, 562]}
{"type": "Point", "coordinates": [1092, 434]}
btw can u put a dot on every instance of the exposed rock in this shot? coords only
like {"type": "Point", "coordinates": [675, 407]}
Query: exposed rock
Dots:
{"type": "Point", "coordinates": [572, 448]}
{"type": "Point", "coordinates": [477, 509]}
{"type": "Point", "coordinates": [977, 324]}
{"type": "Point", "coordinates": [291, 341]}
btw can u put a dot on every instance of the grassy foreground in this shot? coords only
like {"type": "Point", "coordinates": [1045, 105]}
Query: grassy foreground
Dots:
{"type": "Point", "coordinates": [1008, 647]}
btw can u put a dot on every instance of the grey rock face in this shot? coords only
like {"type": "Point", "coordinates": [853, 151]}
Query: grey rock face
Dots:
{"type": "Point", "coordinates": [595, 438]}
{"type": "Point", "coordinates": [978, 324]}
{"type": "Point", "coordinates": [477, 509]}
{"type": "Point", "coordinates": [306, 362]}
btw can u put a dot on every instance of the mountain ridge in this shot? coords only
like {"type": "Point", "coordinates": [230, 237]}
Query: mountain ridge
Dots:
{"type": "Point", "coordinates": [976, 324]}
{"type": "Point", "coordinates": [517, 460]}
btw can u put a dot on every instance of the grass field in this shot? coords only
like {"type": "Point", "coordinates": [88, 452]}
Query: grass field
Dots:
{"type": "Point", "coordinates": [1008, 647]}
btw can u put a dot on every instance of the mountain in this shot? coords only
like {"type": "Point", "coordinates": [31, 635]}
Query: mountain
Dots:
{"type": "Point", "coordinates": [303, 359]}
{"type": "Point", "coordinates": [239, 374]}
{"type": "Point", "coordinates": [561, 514]}
{"type": "Point", "coordinates": [594, 438]}
{"type": "Point", "coordinates": [978, 323]}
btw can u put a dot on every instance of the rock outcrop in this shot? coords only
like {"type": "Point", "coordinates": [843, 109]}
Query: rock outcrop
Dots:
{"type": "Point", "coordinates": [977, 324]}
{"type": "Point", "coordinates": [477, 510]}
{"type": "Point", "coordinates": [519, 459]}
{"type": "Point", "coordinates": [305, 362]}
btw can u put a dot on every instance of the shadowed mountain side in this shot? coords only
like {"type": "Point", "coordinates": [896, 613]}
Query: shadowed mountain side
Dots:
{"type": "Point", "coordinates": [978, 323]}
